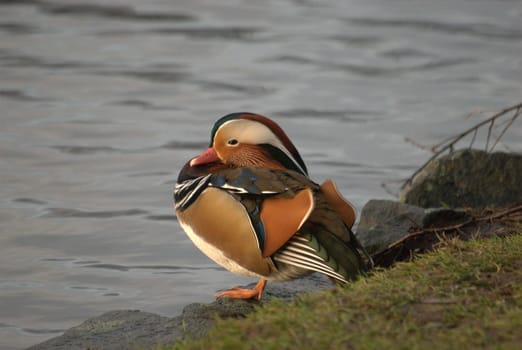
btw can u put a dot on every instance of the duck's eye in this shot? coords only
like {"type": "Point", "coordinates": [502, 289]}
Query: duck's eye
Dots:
{"type": "Point", "coordinates": [232, 142]}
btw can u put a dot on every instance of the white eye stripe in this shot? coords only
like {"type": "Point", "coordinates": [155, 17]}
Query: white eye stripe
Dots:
{"type": "Point", "coordinates": [253, 132]}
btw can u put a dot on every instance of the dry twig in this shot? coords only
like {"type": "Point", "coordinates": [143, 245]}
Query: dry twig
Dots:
{"type": "Point", "coordinates": [449, 143]}
{"type": "Point", "coordinates": [422, 231]}
{"type": "Point", "coordinates": [418, 238]}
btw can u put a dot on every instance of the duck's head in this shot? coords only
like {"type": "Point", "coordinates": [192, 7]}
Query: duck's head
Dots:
{"type": "Point", "coordinates": [247, 139]}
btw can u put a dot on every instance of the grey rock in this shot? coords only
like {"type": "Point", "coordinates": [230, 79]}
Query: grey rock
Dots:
{"type": "Point", "coordinates": [121, 329]}
{"type": "Point", "coordinates": [134, 329]}
{"type": "Point", "coordinates": [198, 318]}
{"type": "Point", "coordinates": [468, 178]}
{"type": "Point", "coordinates": [384, 222]}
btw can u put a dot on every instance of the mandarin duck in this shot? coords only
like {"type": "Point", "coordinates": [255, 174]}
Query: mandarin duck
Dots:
{"type": "Point", "coordinates": [247, 202]}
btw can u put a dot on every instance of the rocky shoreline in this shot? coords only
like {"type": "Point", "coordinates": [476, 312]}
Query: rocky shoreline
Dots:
{"type": "Point", "coordinates": [135, 329]}
{"type": "Point", "coordinates": [390, 230]}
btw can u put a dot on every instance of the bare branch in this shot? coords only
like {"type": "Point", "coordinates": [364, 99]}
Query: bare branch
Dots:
{"type": "Point", "coordinates": [422, 231]}
{"type": "Point", "coordinates": [517, 113]}
{"type": "Point", "coordinates": [449, 143]}
{"type": "Point", "coordinates": [386, 186]}
{"type": "Point", "coordinates": [416, 144]}
{"type": "Point", "coordinates": [473, 138]}
{"type": "Point", "coordinates": [489, 133]}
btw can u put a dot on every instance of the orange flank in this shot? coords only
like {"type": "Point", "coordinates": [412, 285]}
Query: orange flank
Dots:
{"type": "Point", "coordinates": [283, 217]}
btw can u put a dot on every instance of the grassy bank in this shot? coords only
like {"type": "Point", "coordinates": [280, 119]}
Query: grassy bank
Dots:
{"type": "Point", "coordinates": [466, 295]}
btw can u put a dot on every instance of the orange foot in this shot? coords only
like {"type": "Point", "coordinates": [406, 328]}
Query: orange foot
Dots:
{"type": "Point", "coordinates": [240, 293]}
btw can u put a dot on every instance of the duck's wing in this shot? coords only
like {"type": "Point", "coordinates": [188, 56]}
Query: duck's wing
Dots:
{"type": "Point", "coordinates": [277, 204]}
{"type": "Point", "coordinates": [298, 222]}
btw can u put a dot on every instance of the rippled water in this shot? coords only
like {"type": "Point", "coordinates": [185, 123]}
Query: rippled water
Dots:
{"type": "Point", "coordinates": [102, 102]}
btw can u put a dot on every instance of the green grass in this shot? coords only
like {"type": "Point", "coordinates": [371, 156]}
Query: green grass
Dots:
{"type": "Point", "coordinates": [466, 295]}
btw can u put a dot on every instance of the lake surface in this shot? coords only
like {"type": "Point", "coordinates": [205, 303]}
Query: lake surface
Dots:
{"type": "Point", "coordinates": [103, 101]}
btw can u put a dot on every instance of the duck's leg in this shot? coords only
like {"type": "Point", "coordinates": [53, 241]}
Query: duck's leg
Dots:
{"type": "Point", "coordinates": [240, 293]}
